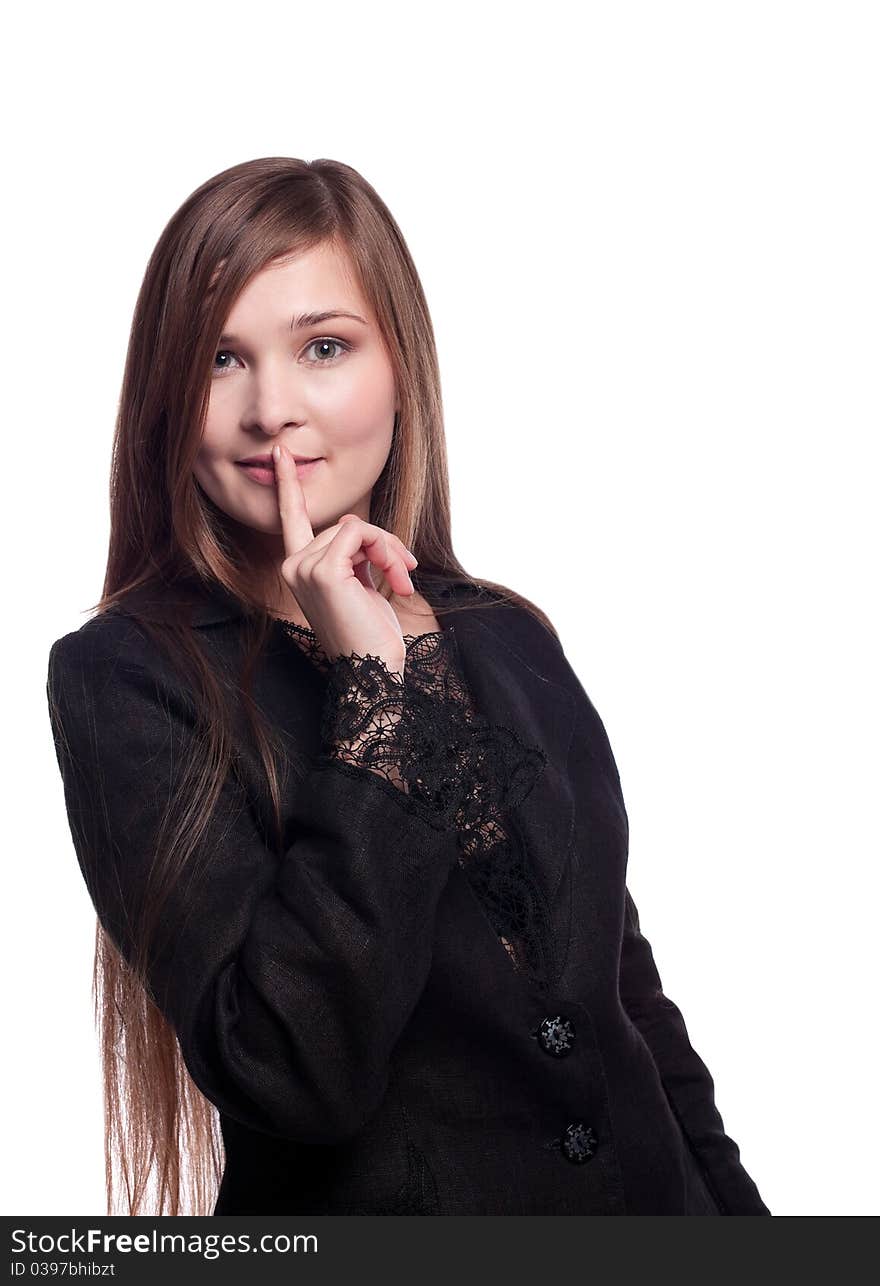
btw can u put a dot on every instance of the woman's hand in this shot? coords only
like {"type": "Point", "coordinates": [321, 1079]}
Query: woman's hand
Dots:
{"type": "Point", "coordinates": [329, 575]}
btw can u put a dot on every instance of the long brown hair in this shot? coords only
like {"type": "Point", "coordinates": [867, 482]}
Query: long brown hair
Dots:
{"type": "Point", "coordinates": [160, 1131]}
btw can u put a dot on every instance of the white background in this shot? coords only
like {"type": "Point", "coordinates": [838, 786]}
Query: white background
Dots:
{"type": "Point", "coordinates": [648, 234]}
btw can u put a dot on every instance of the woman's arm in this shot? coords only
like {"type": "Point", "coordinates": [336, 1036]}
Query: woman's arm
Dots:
{"type": "Point", "coordinates": [686, 1079]}
{"type": "Point", "coordinates": [287, 983]}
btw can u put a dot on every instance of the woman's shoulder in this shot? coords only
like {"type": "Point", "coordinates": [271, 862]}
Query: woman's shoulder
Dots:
{"type": "Point", "coordinates": [131, 623]}
{"type": "Point", "coordinates": [514, 616]}
{"type": "Point", "coordinates": [113, 637]}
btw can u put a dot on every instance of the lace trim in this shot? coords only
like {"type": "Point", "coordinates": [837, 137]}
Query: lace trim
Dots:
{"type": "Point", "coordinates": [421, 732]}
{"type": "Point", "coordinates": [307, 639]}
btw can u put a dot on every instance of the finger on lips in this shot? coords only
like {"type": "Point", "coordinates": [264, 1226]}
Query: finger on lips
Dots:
{"type": "Point", "coordinates": [297, 527]}
{"type": "Point", "coordinates": [295, 524]}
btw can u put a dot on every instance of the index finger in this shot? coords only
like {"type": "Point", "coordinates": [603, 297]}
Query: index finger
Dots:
{"type": "Point", "coordinates": [295, 523]}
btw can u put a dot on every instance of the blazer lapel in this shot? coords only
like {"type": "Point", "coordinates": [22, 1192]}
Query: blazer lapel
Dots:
{"type": "Point", "coordinates": [510, 686]}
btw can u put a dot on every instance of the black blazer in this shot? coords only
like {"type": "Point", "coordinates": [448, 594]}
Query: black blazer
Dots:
{"type": "Point", "coordinates": [354, 1010]}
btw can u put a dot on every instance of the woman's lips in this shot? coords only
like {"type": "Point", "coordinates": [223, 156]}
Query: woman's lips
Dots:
{"type": "Point", "coordinates": [264, 474]}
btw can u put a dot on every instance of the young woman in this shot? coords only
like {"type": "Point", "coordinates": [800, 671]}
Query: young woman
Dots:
{"type": "Point", "coordinates": [352, 827]}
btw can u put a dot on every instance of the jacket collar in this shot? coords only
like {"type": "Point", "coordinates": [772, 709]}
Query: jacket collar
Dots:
{"type": "Point", "coordinates": [213, 605]}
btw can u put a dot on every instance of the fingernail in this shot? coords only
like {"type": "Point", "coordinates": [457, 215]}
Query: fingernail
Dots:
{"type": "Point", "coordinates": [276, 452]}
{"type": "Point", "coordinates": [411, 585]}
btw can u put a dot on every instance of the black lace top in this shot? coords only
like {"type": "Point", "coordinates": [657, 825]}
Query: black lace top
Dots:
{"type": "Point", "coordinates": [421, 732]}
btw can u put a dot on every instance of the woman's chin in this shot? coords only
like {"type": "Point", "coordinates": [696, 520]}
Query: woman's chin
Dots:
{"type": "Point", "coordinates": [265, 524]}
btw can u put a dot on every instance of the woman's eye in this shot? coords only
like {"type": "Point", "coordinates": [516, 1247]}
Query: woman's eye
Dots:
{"type": "Point", "coordinates": [324, 347]}
{"type": "Point", "coordinates": [324, 344]}
{"type": "Point", "coordinates": [218, 370]}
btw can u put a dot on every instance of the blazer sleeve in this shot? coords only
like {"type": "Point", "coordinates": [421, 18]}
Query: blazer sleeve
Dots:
{"type": "Point", "coordinates": [287, 983]}
{"type": "Point", "coordinates": [686, 1079]}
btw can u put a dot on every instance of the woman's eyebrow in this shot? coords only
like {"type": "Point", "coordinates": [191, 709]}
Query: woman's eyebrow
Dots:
{"type": "Point", "coordinates": [303, 320]}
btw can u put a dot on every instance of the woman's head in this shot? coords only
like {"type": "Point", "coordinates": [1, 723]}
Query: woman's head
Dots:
{"type": "Point", "coordinates": [302, 361]}
{"type": "Point", "coordinates": [252, 248]}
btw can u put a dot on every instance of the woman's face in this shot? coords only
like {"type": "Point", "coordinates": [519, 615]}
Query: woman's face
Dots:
{"type": "Point", "coordinates": [324, 388]}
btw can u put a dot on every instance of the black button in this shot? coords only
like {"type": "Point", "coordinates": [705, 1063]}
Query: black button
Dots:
{"type": "Point", "coordinates": [578, 1143]}
{"type": "Point", "coordinates": [556, 1036]}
